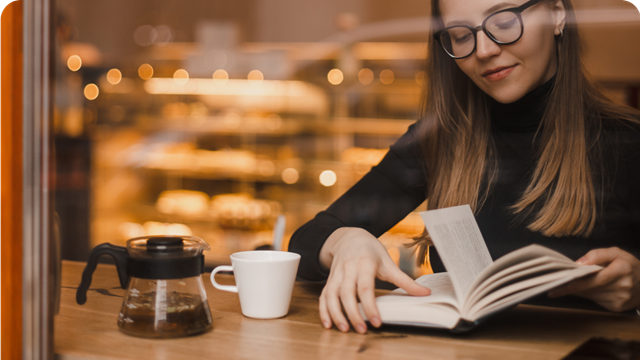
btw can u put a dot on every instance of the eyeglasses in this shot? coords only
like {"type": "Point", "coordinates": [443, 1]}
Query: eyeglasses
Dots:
{"type": "Point", "coordinates": [503, 27]}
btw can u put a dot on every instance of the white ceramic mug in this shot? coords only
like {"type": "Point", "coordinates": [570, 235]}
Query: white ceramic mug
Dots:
{"type": "Point", "coordinates": [264, 281]}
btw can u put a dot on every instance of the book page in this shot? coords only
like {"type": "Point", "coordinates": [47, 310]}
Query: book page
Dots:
{"type": "Point", "coordinates": [505, 278]}
{"type": "Point", "coordinates": [457, 238]}
{"type": "Point", "coordinates": [520, 256]}
{"type": "Point", "coordinates": [439, 309]}
{"type": "Point", "coordinates": [528, 289]}
{"type": "Point", "coordinates": [441, 292]}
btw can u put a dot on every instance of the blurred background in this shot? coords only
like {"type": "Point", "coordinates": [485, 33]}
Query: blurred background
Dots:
{"type": "Point", "coordinates": [212, 118]}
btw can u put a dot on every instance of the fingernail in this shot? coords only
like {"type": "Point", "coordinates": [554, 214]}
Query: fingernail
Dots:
{"type": "Point", "coordinates": [581, 261]}
{"type": "Point", "coordinates": [343, 327]}
{"type": "Point", "coordinates": [326, 324]}
{"type": "Point", "coordinates": [361, 329]}
{"type": "Point", "coordinates": [375, 321]}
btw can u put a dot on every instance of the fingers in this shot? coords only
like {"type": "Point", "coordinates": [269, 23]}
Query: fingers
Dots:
{"type": "Point", "coordinates": [366, 286]}
{"type": "Point", "coordinates": [610, 274]}
{"type": "Point", "coordinates": [330, 308]}
{"type": "Point", "coordinates": [405, 282]}
{"type": "Point", "coordinates": [600, 256]}
{"type": "Point", "coordinates": [324, 311]}
{"type": "Point", "coordinates": [349, 301]}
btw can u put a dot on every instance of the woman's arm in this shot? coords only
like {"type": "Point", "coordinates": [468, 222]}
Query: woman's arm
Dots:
{"type": "Point", "coordinates": [617, 286]}
{"type": "Point", "coordinates": [341, 245]}
{"type": "Point", "coordinates": [382, 198]}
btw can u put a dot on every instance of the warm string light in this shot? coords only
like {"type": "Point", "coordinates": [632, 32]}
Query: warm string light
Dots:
{"type": "Point", "coordinates": [255, 76]}
{"type": "Point", "coordinates": [220, 77]}
{"type": "Point", "coordinates": [145, 71]}
{"type": "Point", "coordinates": [290, 176]}
{"type": "Point", "coordinates": [335, 77]}
{"type": "Point", "coordinates": [91, 91]}
{"type": "Point", "coordinates": [74, 62]}
{"type": "Point", "coordinates": [387, 77]}
{"type": "Point", "coordinates": [114, 76]}
{"type": "Point", "coordinates": [328, 178]}
{"type": "Point", "coordinates": [181, 76]}
{"type": "Point", "coordinates": [365, 76]}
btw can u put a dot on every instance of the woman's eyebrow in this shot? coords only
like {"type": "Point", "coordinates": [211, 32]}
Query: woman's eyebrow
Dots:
{"type": "Point", "coordinates": [458, 22]}
{"type": "Point", "coordinates": [499, 6]}
{"type": "Point", "coordinates": [489, 11]}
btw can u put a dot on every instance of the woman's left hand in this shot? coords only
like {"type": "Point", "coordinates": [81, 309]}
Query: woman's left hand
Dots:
{"type": "Point", "coordinates": [616, 287]}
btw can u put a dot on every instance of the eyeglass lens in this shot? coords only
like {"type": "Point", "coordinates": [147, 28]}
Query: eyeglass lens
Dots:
{"type": "Point", "coordinates": [503, 27]}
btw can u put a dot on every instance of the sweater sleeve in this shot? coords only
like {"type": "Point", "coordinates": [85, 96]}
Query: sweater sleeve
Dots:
{"type": "Point", "coordinates": [377, 202]}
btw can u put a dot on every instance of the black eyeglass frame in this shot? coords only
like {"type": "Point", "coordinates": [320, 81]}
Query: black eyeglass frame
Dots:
{"type": "Point", "coordinates": [517, 11]}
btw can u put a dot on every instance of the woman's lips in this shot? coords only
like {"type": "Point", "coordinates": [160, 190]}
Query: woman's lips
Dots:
{"type": "Point", "coordinates": [498, 74]}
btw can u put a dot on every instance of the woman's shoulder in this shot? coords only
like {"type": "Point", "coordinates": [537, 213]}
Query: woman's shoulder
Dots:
{"type": "Point", "coordinates": [622, 136]}
{"type": "Point", "coordinates": [622, 128]}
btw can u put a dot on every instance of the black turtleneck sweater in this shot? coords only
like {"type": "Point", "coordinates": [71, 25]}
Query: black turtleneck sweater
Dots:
{"type": "Point", "coordinates": [397, 186]}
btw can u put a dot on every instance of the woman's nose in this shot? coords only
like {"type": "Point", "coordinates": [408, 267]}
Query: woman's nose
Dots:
{"type": "Point", "coordinates": [485, 47]}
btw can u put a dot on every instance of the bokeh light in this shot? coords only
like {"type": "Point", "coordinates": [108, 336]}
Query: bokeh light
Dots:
{"type": "Point", "coordinates": [164, 35]}
{"type": "Point", "coordinates": [255, 76]}
{"type": "Point", "coordinates": [145, 35]}
{"type": "Point", "coordinates": [74, 63]}
{"type": "Point", "coordinates": [91, 91]}
{"type": "Point", "coordinates": [266, 168]}
{"type": "Point", "coordinates": [387, 77]}
{"type": "Point", "coordinates": [273, 122]}
{"type": "Point", "coordinates": [181, 76]}
{"type": "Point", "coordinates": [365, 76]}
{"type": "Point", "coordinates": [145, 71]}
{"type": "Point", "coordinates": [335, 77]}
{"type": "Point", "coordinates": [328, 178]}
{"type": "Point", "coordinates": [290, 176]}
{"type": "Point", "coordinates": [114, 76]}
{"type": "Point", "coordinates": [220, 77]}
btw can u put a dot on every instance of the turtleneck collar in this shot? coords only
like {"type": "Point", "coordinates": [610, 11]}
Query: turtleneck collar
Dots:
{"type": "Point", "coordinates": [524, 114]}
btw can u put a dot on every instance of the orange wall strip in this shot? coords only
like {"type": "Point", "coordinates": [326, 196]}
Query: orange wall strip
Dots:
{"type": "Point", "coordinates": [11, 196]}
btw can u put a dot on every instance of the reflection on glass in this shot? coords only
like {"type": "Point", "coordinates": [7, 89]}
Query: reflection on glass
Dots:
{"type": "Point", "coordinates": [181, 76]}
{"type": "Point", "coordinates": [74, 63]}
{"type": "Point", "coordinates": [91, 91]}
{"type": "Point", "coordinates": [335, 76]}
{"type": "Point", "coordinates": [145, 71]}
{"type": "Point", "coordinates": [114, 76]}
{"type": "Point", "coordinates": [387, 77]}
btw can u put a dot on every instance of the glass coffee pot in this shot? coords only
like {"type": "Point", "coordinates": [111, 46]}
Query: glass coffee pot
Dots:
{"type": "Point", "coordinates": [165, 296]}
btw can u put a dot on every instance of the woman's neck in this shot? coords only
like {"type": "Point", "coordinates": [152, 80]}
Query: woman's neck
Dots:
{"type": "Point", "coordinates": [524, 114]}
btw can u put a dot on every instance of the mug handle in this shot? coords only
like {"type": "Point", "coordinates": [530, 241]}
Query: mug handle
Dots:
{"type": "Point", "coordinates": [230, 288]}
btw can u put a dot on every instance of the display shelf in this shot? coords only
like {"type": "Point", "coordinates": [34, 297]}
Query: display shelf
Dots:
{"type": "Point", "coordinates": [265, 127]}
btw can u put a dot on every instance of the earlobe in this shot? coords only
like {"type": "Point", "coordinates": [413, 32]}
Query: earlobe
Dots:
{"type": "Point", "coordinates": [560, 13]}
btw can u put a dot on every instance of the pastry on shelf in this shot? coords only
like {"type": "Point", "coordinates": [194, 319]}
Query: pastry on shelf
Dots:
{"type": "Point", "coordinates": [241, 211]}
{"type": "Point", "coordinates": [185, 157]}
{"type": "Point", "coordinates": [183, 202]}
{"type": "Point", "coordinates": [130, 230]}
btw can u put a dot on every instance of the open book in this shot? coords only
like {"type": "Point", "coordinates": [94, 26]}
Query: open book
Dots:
{"type": "Point", "coordinates": [474, 286]}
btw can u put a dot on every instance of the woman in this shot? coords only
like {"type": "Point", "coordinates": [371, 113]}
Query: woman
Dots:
{"type": "Point", "coordinates": [512, 127]}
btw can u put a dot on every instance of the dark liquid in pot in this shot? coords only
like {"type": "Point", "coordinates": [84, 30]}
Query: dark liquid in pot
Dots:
{"type": "Point", "coordinates": [179, 314]}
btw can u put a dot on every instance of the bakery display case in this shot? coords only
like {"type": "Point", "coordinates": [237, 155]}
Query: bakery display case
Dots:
{"type": "Point", "coordinates": [216, 124]}
{"type": "Point", "coordinates": [218, 138]}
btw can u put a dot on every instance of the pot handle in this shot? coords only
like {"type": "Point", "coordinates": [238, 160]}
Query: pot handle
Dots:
{"type": "Point", "coordinates": [118, 253]}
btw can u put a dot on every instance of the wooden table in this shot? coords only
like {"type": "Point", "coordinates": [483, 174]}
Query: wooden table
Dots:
{"type": "Point", "coordinates": [525, 332]}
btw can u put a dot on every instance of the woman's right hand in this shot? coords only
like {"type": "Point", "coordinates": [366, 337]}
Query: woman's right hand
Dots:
{"type": "Point", "coordinates": [355, 258]}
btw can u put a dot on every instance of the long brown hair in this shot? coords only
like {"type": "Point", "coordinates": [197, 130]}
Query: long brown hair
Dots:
{"type": "Point", "coordinates": [459, 150]}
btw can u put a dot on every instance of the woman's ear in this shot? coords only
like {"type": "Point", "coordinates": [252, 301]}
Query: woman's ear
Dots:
{"type": "Point", "coordinates": [559, 16]}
